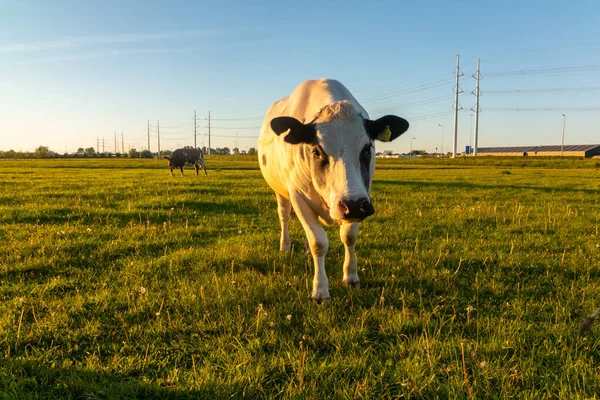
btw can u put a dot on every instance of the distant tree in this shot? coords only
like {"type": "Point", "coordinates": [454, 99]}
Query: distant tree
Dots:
{"type": "Point", "coordinates": [251, 151]}
{"type": "Point", "coordinates": [236, 151]}
{"type": "Point", "coordinates": [166, 153]}
{"type": "Point", "coordinates": [146, 154]}
{"type": "Point", "coordinates": [90, 151]}
{"type": "Point", "coordinates": [133, 153]}
{"type": "Point", "coordinates": [226, 151]}
{"type": "Point", "coordinates": [42, 152]}
{"type": "Point", "coordinates": [80, 151]}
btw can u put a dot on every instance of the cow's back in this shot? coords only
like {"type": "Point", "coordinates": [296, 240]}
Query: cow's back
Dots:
{"type": "Point", "coordinates": [280, 162]}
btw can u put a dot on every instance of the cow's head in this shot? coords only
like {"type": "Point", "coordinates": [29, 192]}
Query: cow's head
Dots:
{"type": "Point", "coordinates": [338, 148]}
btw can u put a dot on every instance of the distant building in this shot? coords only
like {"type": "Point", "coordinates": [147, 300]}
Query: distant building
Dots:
{"type": "Point", "coordinates": [579, 150]}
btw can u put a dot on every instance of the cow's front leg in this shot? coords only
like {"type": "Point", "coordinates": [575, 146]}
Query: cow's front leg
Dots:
{"type": "Point", "coordinates": [181, 169]}
{"type": "Point", "coordinates": [197, 168]}
{"type": "Point", "coordinates": [349, 234]}
{"type": "Point", "coordinates": [171, 170]}
{"type": "Point", "coordinates": [284, 208]}
{"type": "Point", "coordinates": [318, 243]}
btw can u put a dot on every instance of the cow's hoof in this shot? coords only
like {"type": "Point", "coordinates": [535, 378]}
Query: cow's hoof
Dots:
{"type": "Point", "coordinates": [319, 300]}
{"type": "Point", "coordinates": [355, 285]}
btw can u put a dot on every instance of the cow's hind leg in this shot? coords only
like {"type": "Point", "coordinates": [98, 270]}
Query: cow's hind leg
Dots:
{"type": "Point", "coordinates": [171, 170]}
{"type": "Point", "coordinates": [349, 234]}
{"type": "Point", "coordinates": [197, 168]}
{"type": "Point", "coordinates": [284, 208]}
{"type": "Point", "coordinates": [181, 169]}
{"type": "Point", "coordinates": [203, 166]}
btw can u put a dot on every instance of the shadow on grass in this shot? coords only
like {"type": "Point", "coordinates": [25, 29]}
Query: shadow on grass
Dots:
{"type": "Point", "coordinates": [62, 215]}
{"type": "Point", "coordinates": [21, 379]}
{"type": "Point", "coordinates": [467, 185]}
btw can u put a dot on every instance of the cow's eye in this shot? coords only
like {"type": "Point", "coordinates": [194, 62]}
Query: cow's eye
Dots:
{"type": "Point", "coordinates": [365, 154]}
{"type": "Point", "coordinates": [320, 156]}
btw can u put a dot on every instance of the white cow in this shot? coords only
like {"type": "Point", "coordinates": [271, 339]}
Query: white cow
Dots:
{"type": "Point", "coordinates": [323, 167]}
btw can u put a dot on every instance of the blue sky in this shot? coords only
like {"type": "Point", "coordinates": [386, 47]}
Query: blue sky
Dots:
{"type": "Point", "coordinates": [74, 71]}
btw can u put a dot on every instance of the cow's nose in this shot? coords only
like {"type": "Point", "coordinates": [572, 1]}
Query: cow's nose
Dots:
{"type": "Point", "coordinates": [356, 210]}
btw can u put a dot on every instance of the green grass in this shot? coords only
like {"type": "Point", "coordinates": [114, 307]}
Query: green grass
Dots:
{"type": "Point", "coordinates": [119, 281]}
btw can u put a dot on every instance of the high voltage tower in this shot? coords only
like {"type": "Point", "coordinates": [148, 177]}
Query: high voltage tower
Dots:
{"type": "Point", "coordinates": [476, 108]}
{"type": "Point", "coordinates": [158, 135]}
{"type": "Point", "coordinates": [456, 106]}
{"type": "Point", "coordinates": [209, 132]}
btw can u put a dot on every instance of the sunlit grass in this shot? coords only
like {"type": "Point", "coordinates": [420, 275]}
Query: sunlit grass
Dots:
{"type": "Point", "coordinates": [119, 281]}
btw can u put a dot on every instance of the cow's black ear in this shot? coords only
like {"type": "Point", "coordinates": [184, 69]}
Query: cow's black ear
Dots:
{"type": "Point", "coordinates": [298, 132]}
{"type": "Point", "coordinates": [386, 128]}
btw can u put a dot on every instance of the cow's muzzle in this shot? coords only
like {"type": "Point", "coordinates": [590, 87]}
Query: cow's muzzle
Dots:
{"type": "Point", "coordinates": [356, 210]}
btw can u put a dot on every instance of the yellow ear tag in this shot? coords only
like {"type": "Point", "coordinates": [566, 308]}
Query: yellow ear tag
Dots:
{"type": "Point", "coordinates": [385, 134]}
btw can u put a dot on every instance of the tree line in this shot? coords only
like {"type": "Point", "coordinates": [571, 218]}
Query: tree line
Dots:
{"type": "Point", "coordinates": [90, 152]}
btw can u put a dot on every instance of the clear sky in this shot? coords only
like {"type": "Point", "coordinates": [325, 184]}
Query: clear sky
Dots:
{"type": "Point", "coordinates": [74, 71]}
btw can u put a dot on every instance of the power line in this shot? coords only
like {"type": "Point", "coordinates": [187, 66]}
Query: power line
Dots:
{"type": "Point", "coordinates": [174, 133]}
{"type": "Point", "coordinates": [544, 71]}
{"type": "Point", "coordinates": [413, 89]}
{"type": "Point", "coordinates": [430, 115]}
{"type": "Point", "coordinates": [528, 109]}
{"type": "Point", "coordinates": [574, 89]}
{"type": "Point", "coordinates": [188, 124]}
{"type": "Point", "coordinates": [237, 136]}
{"type": "Point", "coordinates": [239, 127]}
{"type": "Point", "coordinates": [237, 119]}
{"type": "Point", "coordinates": [413, 104]}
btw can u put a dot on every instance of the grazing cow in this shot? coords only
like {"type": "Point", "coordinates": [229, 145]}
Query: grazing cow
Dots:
{"type": "Point", "coordinates": [316, 151]}
{"type": "Point", "coordinates": [186, 156]}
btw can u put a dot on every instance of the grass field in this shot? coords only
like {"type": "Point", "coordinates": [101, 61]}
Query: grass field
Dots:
{"type": "Point", "coordinates": [119, 281]}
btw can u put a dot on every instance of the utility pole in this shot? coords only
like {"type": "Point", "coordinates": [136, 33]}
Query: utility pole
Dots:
{"type": "Point", "coordinates": [148, 135]}
{"type": "Point", "coordinates": [115, 142]}
{"type": "Point", "coordinates": [97, 145]}
{"type": "Point", "coordinates": [122, 144]}
{"type": "Point", "coordinates": [195, 129]}
{"type": "Point", "coordinates": [442, 151]}
{"type": "Point", "coordinates": [158, 132]}
{"type": "Point", "coordinates": [456, 106]}
{"type": "Point", "coordinates": [562, 144]}
{"type": "Point", "coordinates": [209, 132]}
{"type": "Point", "coordinates": [102, 144]}
{"type": "Point", "coordinates": [476, 109]}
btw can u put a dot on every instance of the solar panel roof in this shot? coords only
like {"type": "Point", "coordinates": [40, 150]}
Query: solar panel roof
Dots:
{"type": "Point", "coordinates": [531, 149]}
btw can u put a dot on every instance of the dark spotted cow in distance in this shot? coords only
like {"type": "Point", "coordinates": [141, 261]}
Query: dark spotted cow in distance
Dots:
{"type": "Point", "coordinates": [186, 156]}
